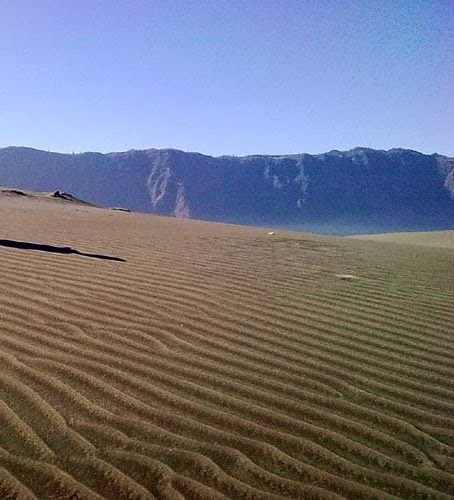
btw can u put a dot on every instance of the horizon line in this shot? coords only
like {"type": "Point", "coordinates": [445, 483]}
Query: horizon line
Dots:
{"type": "Point", "coordinates": [397, 148]}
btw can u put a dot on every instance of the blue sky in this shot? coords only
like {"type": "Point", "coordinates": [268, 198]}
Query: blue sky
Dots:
{"type": "Point", "coordinates": [227, 77]}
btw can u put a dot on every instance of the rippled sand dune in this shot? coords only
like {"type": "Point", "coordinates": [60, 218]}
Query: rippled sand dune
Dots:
{"type": "Point", "coordinates": [146, 357]}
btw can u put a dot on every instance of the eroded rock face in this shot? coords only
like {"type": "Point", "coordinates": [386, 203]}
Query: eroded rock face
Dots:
{"type": "Point", "coordinates": [371, 190]}
{"type": "Point", "coordinates": [446, 166]}
{"type": "Point", "coordinates": [361, 190]}
{"type": "Point", "coordinates": [225, 188]}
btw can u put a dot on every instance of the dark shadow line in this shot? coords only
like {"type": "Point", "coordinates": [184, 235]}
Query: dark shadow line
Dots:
{"type": "Point", "coordinates": [23, 245]}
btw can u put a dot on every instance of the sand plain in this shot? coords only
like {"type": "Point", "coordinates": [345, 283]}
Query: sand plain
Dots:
{"type": "Point", "coordinates": [436, 239]}
{"type": "Point", "coordinates": [148, 357]}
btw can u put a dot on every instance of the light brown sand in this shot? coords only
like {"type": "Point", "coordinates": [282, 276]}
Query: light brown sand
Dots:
{"type": "Point", "coordinates": [439, 239]}
{"type": "Point", "coordinates": [218, 361]}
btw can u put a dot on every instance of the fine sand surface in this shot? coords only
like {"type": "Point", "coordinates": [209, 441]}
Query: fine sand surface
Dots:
{"type": "Point", "coordinates": [146, 357]}
{"type": "Point", "coordinates": [440, 239]}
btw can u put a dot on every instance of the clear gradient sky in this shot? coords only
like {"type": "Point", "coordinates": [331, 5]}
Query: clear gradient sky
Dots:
{"type": "Point", "coordinates": [227, 77]}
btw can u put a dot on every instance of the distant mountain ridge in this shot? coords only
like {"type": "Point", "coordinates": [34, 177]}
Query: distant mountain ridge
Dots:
{"type": "Point", "coordinates": [361, 190]}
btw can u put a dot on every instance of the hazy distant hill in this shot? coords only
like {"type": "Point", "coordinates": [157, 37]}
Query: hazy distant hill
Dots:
{"type": "Point", "coordinates": [361, 190]}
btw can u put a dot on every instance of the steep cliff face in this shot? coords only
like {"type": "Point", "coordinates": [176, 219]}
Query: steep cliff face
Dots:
{"type": "Point", "coordinates": [446, 167]}
{"type": "Point", "coordinates": [361, 190]}
{"type": "Point", "coordinates": [225, 188]}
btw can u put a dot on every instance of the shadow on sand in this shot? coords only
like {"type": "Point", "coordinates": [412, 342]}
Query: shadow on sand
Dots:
{"type": "Point", "coordinates": [22, 245]}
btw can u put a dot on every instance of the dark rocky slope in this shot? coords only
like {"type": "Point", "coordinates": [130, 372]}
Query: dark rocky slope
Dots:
{"type": "Point", "coordinates": [361, 190]}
